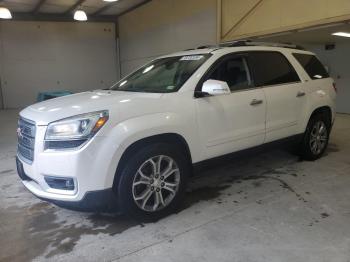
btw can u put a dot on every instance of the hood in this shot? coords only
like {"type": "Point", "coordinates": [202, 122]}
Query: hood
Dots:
{"type": "Point", "coordinates": [58, 108]}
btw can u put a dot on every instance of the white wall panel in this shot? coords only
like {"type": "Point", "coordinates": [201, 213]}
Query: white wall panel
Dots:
{"type": "Point", "coordinates": [44, 56]}
{"type": "Point", "coordinates": [165, 26]}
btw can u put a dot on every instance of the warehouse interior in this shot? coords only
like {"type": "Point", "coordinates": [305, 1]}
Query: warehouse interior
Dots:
{"type": "Point", "coordinates": [332, 50]}
{"type": "Point", "coordinates": [267, 207]}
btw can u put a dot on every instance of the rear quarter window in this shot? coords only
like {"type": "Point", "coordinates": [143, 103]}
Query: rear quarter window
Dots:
{"type": "Point", "coordinates": [312, 66]}
{"type": "Point", "coordinates": [271, 68]}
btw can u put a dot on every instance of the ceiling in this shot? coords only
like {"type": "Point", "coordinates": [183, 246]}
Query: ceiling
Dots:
{"type": "Point", "coordinates": [314, 35]}
{"type": "Point", "coordinates": [62, 9]}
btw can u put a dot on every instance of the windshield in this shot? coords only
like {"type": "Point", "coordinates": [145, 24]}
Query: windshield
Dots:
{"type": "Point", "coordinates": [164, 75]}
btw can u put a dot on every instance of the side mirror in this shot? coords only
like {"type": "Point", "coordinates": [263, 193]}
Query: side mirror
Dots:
{"type": "Point", "coordinates": [215, 88]}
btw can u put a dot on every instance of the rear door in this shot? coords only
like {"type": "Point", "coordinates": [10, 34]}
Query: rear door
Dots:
{"type": "Point", "coordinates": [234, 121]}
{"type": "Point", "coordinates": [283, 90]}
{"type": "Point", "coordinates": [317, 83]}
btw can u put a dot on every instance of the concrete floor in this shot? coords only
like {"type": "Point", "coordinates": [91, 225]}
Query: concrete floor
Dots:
{"type": "Point", "coordinates": [269, 207]}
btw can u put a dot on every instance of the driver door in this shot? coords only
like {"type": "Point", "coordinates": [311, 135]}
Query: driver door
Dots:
{"type": "Point", "coordinates": [233, 121]}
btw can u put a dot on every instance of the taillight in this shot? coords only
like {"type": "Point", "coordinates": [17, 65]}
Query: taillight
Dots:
{"type": "Point", "coordinates": [335, 87]}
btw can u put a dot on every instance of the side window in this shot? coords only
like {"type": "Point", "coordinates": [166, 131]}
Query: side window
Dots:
{"type": "Point", "coordinates": [272, 68]}
{"type": "Point", "coordinates": [234, 72]}
{"type": "Point", "coordinates": [312, 66]}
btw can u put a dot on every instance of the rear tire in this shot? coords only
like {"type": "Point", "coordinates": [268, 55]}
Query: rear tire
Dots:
{"type": "Point", "coordinates": [153, 181]}
{"type": "Point", "coordinates": [316, 137]}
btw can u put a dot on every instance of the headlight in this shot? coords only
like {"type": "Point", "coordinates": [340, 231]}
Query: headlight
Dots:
{"type": "Point", "coordinates": [74, 131]}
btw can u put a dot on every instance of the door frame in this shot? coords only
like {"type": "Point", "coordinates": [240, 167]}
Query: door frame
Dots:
{"type": "Point", "coordinates": [250, 87]}
{"type": "Point", "coordinates": [220, 60]}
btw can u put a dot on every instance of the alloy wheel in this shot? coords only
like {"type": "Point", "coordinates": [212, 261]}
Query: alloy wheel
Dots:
{"type": "Point", "coordinates": [156, 183]}
{"type": "Point", "coordinates": [318, 137]}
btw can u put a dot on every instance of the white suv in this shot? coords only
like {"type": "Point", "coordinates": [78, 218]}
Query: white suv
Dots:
{"type": "Point", "coordinates": [134, 146]}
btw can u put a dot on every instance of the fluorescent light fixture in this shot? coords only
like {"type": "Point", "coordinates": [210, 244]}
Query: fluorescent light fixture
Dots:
{"type": "Point", "coordinates": [123, 83]}
{"type": "Point", "coordinates": [5, 13]}
{"type": "Point", "coordinates": [80, 15]}
{"type": "Point", "coordinates": [147, 69]}
{"type": "Point", "coordinates": [344, 34]}
{"type": "Point", "coordinates": [110, 0]}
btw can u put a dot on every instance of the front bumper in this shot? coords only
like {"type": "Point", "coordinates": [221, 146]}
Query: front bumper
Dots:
{"type": "Point", "coordinates": [92, 168]}
{"type": "Point", "coordinates": [92, 201]}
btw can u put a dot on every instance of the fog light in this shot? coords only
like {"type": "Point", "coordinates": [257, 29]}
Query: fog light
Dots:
{"type": "Point", "coordinates": [62, 183]}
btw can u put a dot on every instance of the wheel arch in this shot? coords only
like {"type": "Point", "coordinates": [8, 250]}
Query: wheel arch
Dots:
{"type": "Point", "coordinates": [326, 110]}
{"type": "Point", "coordinates": [306, 151]}
{"type": "Point", "coordinates": [166, 138]}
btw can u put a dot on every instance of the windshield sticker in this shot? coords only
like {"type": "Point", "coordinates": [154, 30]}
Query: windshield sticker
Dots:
{"type": "Point", "coordinates": [191, 58]}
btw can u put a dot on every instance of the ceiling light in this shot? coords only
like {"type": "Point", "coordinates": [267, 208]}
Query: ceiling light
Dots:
{"type": "Point", "coordinates": [147, 69]}
{"type": "Point", "coordinates": [342, 34]}
{"type": "Point", "coordinates": [110, 0]}
{"type": "Point", "coordinates": [5, 13]}
{"type": "Point", "coordinates": [80, 15]}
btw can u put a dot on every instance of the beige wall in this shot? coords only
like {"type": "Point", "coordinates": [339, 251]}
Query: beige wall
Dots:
{"type": "Point", "coordinates": [44, 56]}
{"type": "Point", "coordinates": [165, 26]}
{"type": "Point", "coordinates": [247, 18]}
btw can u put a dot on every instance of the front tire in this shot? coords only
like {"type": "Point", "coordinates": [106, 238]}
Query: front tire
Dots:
{"type": "Point", "coordinates": [153, 181]}
{"type": "Point", "coordinates": [316, 137]}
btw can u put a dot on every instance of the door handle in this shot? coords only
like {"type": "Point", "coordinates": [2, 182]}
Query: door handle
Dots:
{"type": "Point", "coordinates": [256, 102]}
{"type": "Point", "coordinates": [300, 94]}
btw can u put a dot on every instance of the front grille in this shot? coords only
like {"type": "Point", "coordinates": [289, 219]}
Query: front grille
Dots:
{"type": "Point", "coordinates": [21, 172]}
{"type": "Point", "coordinates": [26, 139]}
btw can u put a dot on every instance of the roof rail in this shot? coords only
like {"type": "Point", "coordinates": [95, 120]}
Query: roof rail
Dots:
{"type": "Point", "coordinates": [200, 47]}
{"type": "Point", "coordinates": [248, 42]}
{"type": "Point", "coordinates": [206, 46]}
{"type": "Point", "coordinates": [253, 43]}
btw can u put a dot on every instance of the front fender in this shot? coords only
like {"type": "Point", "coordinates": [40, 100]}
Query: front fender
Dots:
{"type": "Point", "coordinates": [132, 130]}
